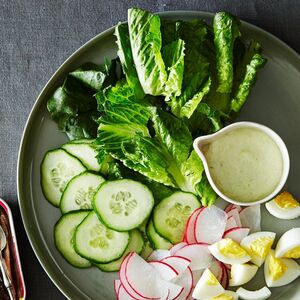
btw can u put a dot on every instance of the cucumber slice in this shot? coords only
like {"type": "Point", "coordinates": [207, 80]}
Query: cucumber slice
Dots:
{"type": "Point", "coordinates": [156, 241]}
{"type": "Point", "coordinates": [123, 204]}
{"type": "Point", "coordinates": [171, 214]}
{"type": "Point", "coordinates": [97, 243]}
{"type": "Point", "coordinates": [80, 191]}
{"type": "Point", "coordinates": [86, 152]}
{"type": "Point", "coordinates": [136, 244]}
{"type": "Point", "coordinates": [63, 235]}
{"type": "Point", "coordinates": [57, 169]}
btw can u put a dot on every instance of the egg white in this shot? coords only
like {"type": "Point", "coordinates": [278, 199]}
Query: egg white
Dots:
{"type": "Point", "coordinates": [248, 240]}
{"type": "Point", "coordinates": [282, 213]}
{"type": "Point", "coordinates": [287, 242]}
{"type": "Point", "coordinates": [242, 273]}
{"type": "Point", "coordinates": [263, 293]}
{"type": "Point", "coordinates": [215, 251]}
{"type": "Point", "coordinates": [291, 272]}
{"type": "Point", "coordinates": [205, 290]}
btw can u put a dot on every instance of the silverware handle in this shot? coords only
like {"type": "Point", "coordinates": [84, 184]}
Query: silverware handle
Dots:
{"type": "Point", "coordinates": [6, 279]}
{"type": "Point", "coordinates": [11, 293]}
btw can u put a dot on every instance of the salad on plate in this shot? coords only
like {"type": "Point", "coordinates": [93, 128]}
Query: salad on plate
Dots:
{"type": "Point", "coordinates": [132, 192]}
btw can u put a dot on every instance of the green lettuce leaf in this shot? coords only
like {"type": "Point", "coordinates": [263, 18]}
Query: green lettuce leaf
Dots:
{"type": "Point", "coordinates": [226, 30]}
{"type": "Point", "coordinates": [247, 83]}
{"type": "Point", "coordinates": [246, 66]}
{"type": "Point", "coordinates": [125, 56]}
{"type": "Point", "coordinates": [196, 69]}
{"type": "Point", "coordinates": [73, 105]}
{"type": "Point", "coordinates": [148, 140]}
{"type": "Point", "coordinates": [145, 40]}
{"type": "Point", "coordinates": [173, 55]}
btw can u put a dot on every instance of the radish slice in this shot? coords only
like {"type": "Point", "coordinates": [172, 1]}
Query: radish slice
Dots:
{"type": "Point", "coordinates": [158, 255]}
{"type": "Point", "coordinates": [217, 269]}
{"type": "Point", "coordinates": [117, 284]}
{"type": "Point", "coordinates": [189, 234]}
{"type": "Point", "coordinates": [225, 278]}
{"type": "Point", "coordinates": [210, 225]}
{"type": "Point", "coordinates": [251, 217]}
{"type": "Point", "coordinates": [123, 279]}
{"type": "Point", "coordinates": [179, 263]}
{"type": "Point", "coordinates": [166, 271]}
{"type": "Point", "coordinates": [196, 276]}
{"type": "Point", "coordinates": [230, 206]}
{"type": "Point", "coordinates": [235, 214]}
{"type": "Point", "coordinates": [141, 279]}
{"type": "Point", "coordinates": [198, 254]}
{"type": "Point", "coordinates": [123, 295]}
{"type": "Point", "coordinates": [231, 223]}
{"type": "Point", "coordinates": [187, 282]}
{"type": "Point", "coordinates": [236, 234]}
{"type": "Point", "coordinates": [176, 247]}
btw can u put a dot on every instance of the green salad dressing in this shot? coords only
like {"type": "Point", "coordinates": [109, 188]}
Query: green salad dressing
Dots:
{"type": "Point", "coordinates": [245, 164]}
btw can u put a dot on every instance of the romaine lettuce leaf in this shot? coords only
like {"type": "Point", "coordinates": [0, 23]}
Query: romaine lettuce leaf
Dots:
{"type": "Point", "coordinates": [226, 30]}
{"type": "Point", "coordinates": [173, 55]}
{"type": "Point", "coordinates": [148, 140]}
{"type": "Point", "coordinates": [247, 83]}
{"type": "Point", "coordinates": [246, 72]}
{"type": "Point", "coordinates": [125, 56]}
{"type": "Point", "coordinates": [73, 105]}
{"type": "Point", "coordinates": [145, 40]}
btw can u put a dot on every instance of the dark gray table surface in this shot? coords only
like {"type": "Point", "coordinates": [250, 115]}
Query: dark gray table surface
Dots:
{"type": "Point", "coordinates": [36, 36]}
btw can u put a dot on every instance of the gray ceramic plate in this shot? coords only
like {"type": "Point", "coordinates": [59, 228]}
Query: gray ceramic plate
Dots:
{"type": "Point", "coordinates": [275, 102]}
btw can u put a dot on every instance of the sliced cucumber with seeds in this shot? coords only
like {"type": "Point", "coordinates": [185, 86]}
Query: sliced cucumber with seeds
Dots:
{"type": "Point", "coordinates": [57, 169]}
{"type": "Point", "coordinates": [171, 214]}
{"type": "Point", "coordinates": [136, 244]}
{"type": "Point", "coordinates": [86, 152]}
{"type": "Point", "coordinates": [156, 241]}
{"type": "Point", "coordinates": [80, 191]}
{"type": "Point", "coordinates": [63, 235]}
{"type": "Point", "coordinates": [123, 204]}
{"type": "Point", "coordinates": [97, 243]}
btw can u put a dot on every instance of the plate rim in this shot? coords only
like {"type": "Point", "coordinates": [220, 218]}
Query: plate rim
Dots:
{"type": "Point", "coordinates": [38, 102]}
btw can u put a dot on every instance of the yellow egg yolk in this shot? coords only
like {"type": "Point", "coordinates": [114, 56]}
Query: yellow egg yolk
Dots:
{"type": "Point", "coordinates": [293, 253]}
{"type": "Point", "coordinates": [223, 297]}
{"type": "Point", "coordinates": [260, 247]}
{"type": "Point", "coordinates": [286, 200]}
{"type": "Point", "coordinates": [211, 279]}
{"type": "Point", "coordinates": [276, 267]}
{"type": "Point", "coordinates": [230, 248]}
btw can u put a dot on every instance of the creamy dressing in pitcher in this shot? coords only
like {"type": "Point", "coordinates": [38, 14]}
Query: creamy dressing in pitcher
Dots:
{"type": "Point", "coordinates": [245, 164]}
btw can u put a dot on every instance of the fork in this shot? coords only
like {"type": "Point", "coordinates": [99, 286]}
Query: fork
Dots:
{"type": "Point", "coordinates": [6, 279]}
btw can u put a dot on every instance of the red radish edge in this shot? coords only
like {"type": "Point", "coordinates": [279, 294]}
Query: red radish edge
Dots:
{"type": "Point", "coordinates": [191, 286]}
{"type": "Point", "coordinates": [124, 261]}
{"type": "Point", "coordinates": [117, 288]}
{"type": "Point", "coordinates": [178, 256]}
{"type": "Point", "coordinates": [164, 263]}
{"type": "Point", "coordinates": [234, 229]}
{"type": "Point", "coordinates": [132, 253]}
{"type": "Point", "coordinates": [195, 224]}
{"type": "Point", "coordinates": [188, 224]}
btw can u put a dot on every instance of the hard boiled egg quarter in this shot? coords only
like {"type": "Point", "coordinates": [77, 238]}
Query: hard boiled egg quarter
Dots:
{"type": "Point", "coordinates": [284, 206]}
{"type": "Point", "coordinates": [280, 271]}
{"type": "Point", "coordinates": [258, 245]}
{"type": "Point", "coordinates": [288, 245]}
{"type": "Point", "coordinates": [227, 295]}
{"type": "Point", "coordinates": [263, 293]}
{"type": "Point", "coordinates": [242, 273]}
{"type": "Point", "coordinates": [229, 252]}
{"type": "Point", "coordinates": [207, 287]}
